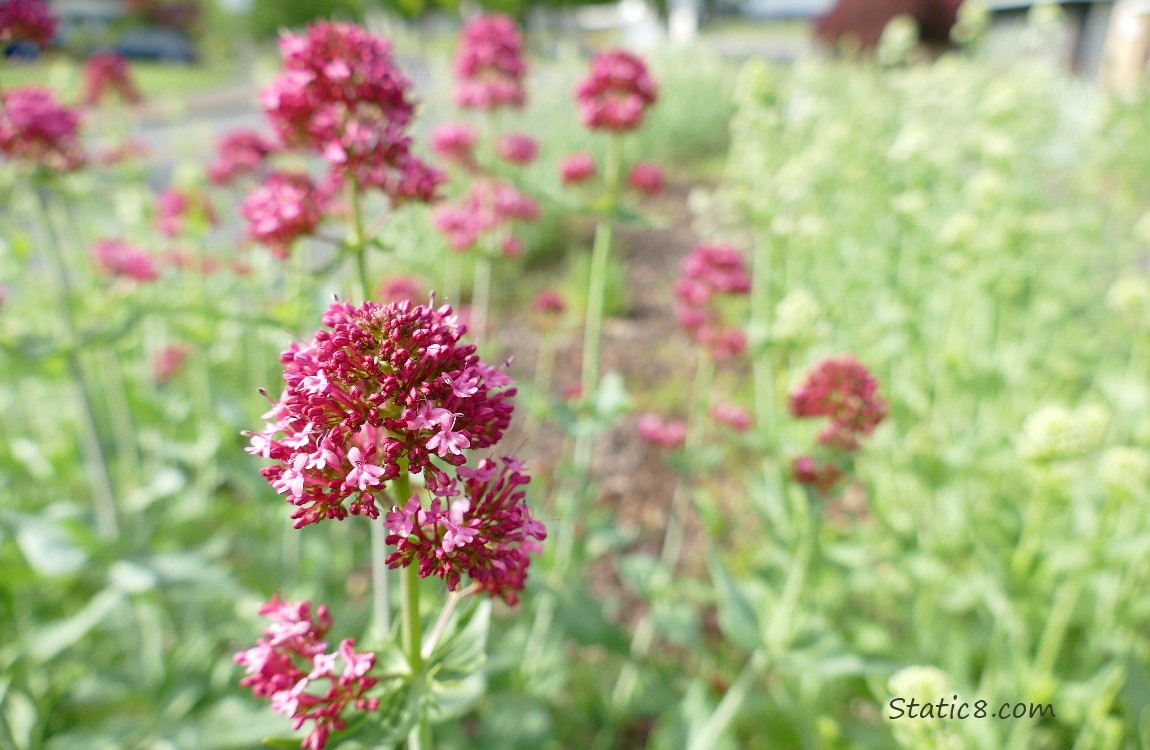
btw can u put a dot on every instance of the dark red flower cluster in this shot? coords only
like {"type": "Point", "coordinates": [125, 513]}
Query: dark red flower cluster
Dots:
{"type": "Point", "coordinates": [646, 178]}
{"type": "Point", "coordinates": [35, 128]}
{"type": "Point", "coordinates": [711, 272]}
{"type": "Point", "coordinates": [842, 389]}
{"type": "Point", "coordinates": [489, 65]}
{"type": "Point", "coordinates": [115, 257]}
{"type": "Point", "coordinates": [106, 72]}
{"type": "Point", "coordinates": [240, 152]}
{"type": "Point", "coordinates": [822, 477]}
{"type": "Point", "coordinates": [292, 659]}
{"type": "Point", "coordinates": [383, 386]}
{"type": "Point", "coordinates": [26, 21]}
{"type": "Point", "coordinates": [342, 96]}
{"type": "Point", "coordinates": [479, 525]}
{"type": "Point", "coordinates": [616, 94]}
{"type": "Point", "coordinates": [285, 207]}
{"type": "Point", "coordinates": [489, 209]}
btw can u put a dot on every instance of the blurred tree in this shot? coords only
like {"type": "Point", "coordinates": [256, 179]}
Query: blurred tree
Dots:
{"type": "Point", "coordinates": [267, 17]}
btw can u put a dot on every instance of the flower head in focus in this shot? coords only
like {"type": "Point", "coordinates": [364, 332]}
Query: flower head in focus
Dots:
{"type": "Point", "coordinates": [479, 525]}
{"type": "Point", "coordinates": [489, 65]}
{"type": "Point", "coordinates": [617, 92]}
{"type": "Point", "coordinates": [842, 389]}
{"type": "Point", "coordinates": [290, 665]}
{"type": "Point", "coordinates": [106, 72]}
{"type": "Point", "coordinates": [380, 386]}
{"type": "Point", "coordinates": [26, 21]}
{"type": "Point", "coordinates": [37, 129]}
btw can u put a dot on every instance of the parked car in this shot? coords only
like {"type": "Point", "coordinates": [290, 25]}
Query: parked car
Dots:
{"type": "Point", "coordinates": [156, 44]}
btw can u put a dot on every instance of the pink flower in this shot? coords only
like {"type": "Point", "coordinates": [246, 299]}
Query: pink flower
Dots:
{"type": "Point", "coordinates": [174, 207]}
{"type": "Point", "coordinates": [287, 206]}
{"type": "Point", "coordinates": [398, 288]}
{"type": "Point", "coordinates": [549, 302]}
{"type": "Point", "coordinates": [710, 273]}
{"type": "Point", "coordinates": [646, 178]}
{"type": "Point", "coordinates": [616, 94]}
{"type": "Point", "coordinates": [34, 128]}
{"type": "Point", "coordinates": [240, 152]}
{"type": "Point", "coordinates": [733, 416]}
{"type": "Point", "coordinates": [489, 64]}
{"type": "Point", "coordinates": [169, 361]}
{"type": "Point", "coordinates": [26, 21]}
{"type": "Point", "coordinates": [288, 665]}
{"type": "Point", "coordinates": [455, 142]}
{"type": "Point", "coordinates": [517, 148]}
{"type": "Point", "coordinates": [577, 168]}
{"type": "Point", "coordinates": [115, 257]}
{"type": "Point", "coordinates": [823, 478]}
{"type": "Point", "coordinates": [378, 391]}
{"type": "Point", "coordinates": [671, 433]}
{"type": "Point", "coordinates": [488, 209]}
{"type": "Point", "coordinates": [129, 150]}
{"type": "Point", "coordinates": [480, 525]}
{"type": "Point", "coordinates": [108, 71]}
{"type": "Point", "coordinates": [342, 96]}
{"type": "Point", "coordinates": [842, 389]}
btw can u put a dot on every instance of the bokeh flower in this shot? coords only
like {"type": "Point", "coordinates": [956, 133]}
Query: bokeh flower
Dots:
{"type": "Point", "coordinates": [577, 168]}
{"type": "Point", "coordinates": [517, 148]}
{"type": "Point", "coordinates": [710, 273]}
{"type": "Point", "coordinates": [489, 65]}
{"type": "Point", "coordinates": [664, 433]}
{"type": "Point", "coordinates": [617, 92]}
{"type": "Point", "coordinates": [26, 21]}
{"type": "Point", "coordinates": [455, 142]}
{"type": "Point", "coordinates": [290, 664]}
{"type": "Point", "coordinates": [646, 178]}
{"type": "Point", "coordinates": [175, 208]}
{"type": "Point", "coordinates": [109, 72]}
{"type": "Point", "coordinates": [490, 208]}
{"type": "Point", "coordinates": [36, 129]}
{"type": "Point", "coordinates": [239, 152]}
{"type": "Point", "coordinates": [116, 257]}
{"type": "Point", "coordinates": [842, 389]}
{"type": "Point", "coordinates": [285, 207]}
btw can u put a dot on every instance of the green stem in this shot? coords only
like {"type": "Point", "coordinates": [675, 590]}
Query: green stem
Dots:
{"type": "Point", "coordinates": [762, 372]}
{"type": "Point", "coordinates": [107, 525]}
{"type": "Point", "coordinates": [480, 297]}
{"type": "Point", "coordinates": [596, 289]}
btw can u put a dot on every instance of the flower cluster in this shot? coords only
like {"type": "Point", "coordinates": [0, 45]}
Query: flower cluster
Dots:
{"type": "Point", "coordinates": [517, 148]}
{"type": "Point", "coordinates": [291, 662]}
{"type": "Point", "coordinates": [646, 178]}
{"type": "Point", "coordinates": [342, 96]}
{"type": "Point", "coordinates": [1054, 432]}
{"type": "Point", "coordinates": [616, 94]}
{"type": "Point", "coordinates": [489, 65]}
{"type": "Point", "coordinates": [115, 257]}
{"type": "Point", "coordinates": [285, 207]}
{"type": "Point", "coordinates": [399, 288]}
{"type": "Point", "coordinates": [479, 525]}
{"type": "Point", "coordinates": [710, 272]}
{"type": "Point", "coordinates": [35, 128]}
{"type": "Point", "coordinates": [577, 168]}
{"type": "Point", "coordinates": [669, 433]}
{"type": "Point", "coordinates": [455, 142]}
{"type": "Point", "coordinates": [382, 390]}
{"type": "Point", "coordinates": [843, 390]}
{"type": "Point", "coordinates": [488, 209]}
{"type": "Point", "coordinates": [26, 21]}
{"type": "Point", "coordinates": [735, 417]}
{"type": "Point", "coordinates": [106, 72]}
{"type": "Point", "coordinates": [175, 208]}
{"type": "Point", "coordinates": [239, 152]}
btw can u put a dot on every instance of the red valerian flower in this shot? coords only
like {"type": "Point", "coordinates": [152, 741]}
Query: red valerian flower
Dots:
{"type": "Point", "coordinates": [517, 148]}
{"type": "Point", "coordinates": [577, 168]}
{"type": "Point", "coordinates": [455, 142]}
{"type": "Point", "coordinates": [106, 72]}
{"type": "Point", "coordinates": [669, 433]}
{"type": "Point", "coordinates": [480, 526]}
{"type": "Point", "coordinates": [174, 207]}
{"type": "Point", "coordinates": [489, 66]}
{"type": "Point", "coordinates": [342, 96]}
{"type": "Point", "coordinates": [287, 206]}
{"type": "Point", "coordinates": [735, 417]}
{"type": "Point", "coordinates": [822, 477]}
{"type": "Point", "coordinates": [489, 208]}
{"type": "Point", "coordinates": [646, 178]}
{"type": "Point", "coordinates": [115, 257]}
{"type": "Point", "coordinates": [616, 94]}
{"type": "Point", "coordinates": [709, 273]}
{"type": "Point", "coordinates": [398, 288]}
{"type": "Point", "coordinates": [26, 21]}
{"type": "Point", "coordinates": [290, 664]}
{"type": "Point", "coordinates": [239, 152]}
{"type": "Point", "coordinates": [381, 386]}
{"type": "Point", "coordinates": [842, 389]}
{"type": "Point", "coordinates": [35, 128]}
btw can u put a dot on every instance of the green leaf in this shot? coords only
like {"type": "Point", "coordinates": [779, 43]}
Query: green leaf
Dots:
{"type": "Point", "coordinates": [49, 641]}
{"type": "Point", "coordinates": [463, 648]}
{"type": "Point", "coordinates": [581, 617]}
{"type": "Point", "coordinates": [737, 617]}
{"type": "Point", "coordinates": [283, 743]}
{"type": "Point", "coordinates": [47, 548]}
{"type": "Point", "coordinates": [19, 713]}
{"type": "Point", "coordinates": [400, 709]}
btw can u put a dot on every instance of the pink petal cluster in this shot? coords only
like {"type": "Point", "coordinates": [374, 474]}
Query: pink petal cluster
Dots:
{"type": "Point", "coordinates": [108, 72]}
{"type": "Point", "coordinates": [380, 387]}
{"type": "Point", "coordinates": [35, 128]}
{"type": "Point", "coordinates": [517, 148]}
{"type": "Point", "coordinates": [239, 152]}
{"type": "Point", "coordinates": [26, 21]}
{"type": "Point", "coordinates": [285, 207]}
{"type": "Point", "coordinates": [399, 288]}
{"type": "Point", "coordinates": [646, 178]}
{"type": "Point", "coordinates": [842, 389]}
{"type": "Point", "coordinates": [711, 272]}
{"type": "Point", "coordinates": [549, 302]}
{"type": "Point", "coordinates": [488, 209]}
{"type": "Point", "coordinates": [455, 142]}
{"type": "Point", "coordinates": [342, 96]}
{"type": "Point", "coordinates": [489, 64]}
{"type": "Point", "coordinates": [577, 168]}
{"type": "Point", "coordinates": [669, 433]}
{"type": "Point", "coordinates": [821, 477]}
{"type": "Point", "coordinates": [174, 207]}
{"type": "Point", "coordinates": [115, 257]}
{"type": "Point", "coordinates": [479, 525]}
{"type": "Point", "coordinates": [616, 94]}
{"type": "Point", "coordinates": [290, 663]}
{"type": "Point", "coordinates": [169, 361]}
{"type": "Point", "coordinates": [735, 417]}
